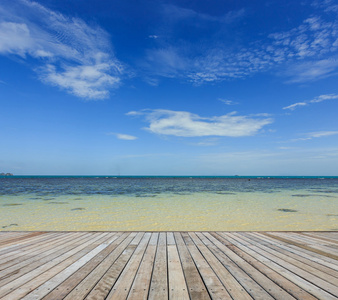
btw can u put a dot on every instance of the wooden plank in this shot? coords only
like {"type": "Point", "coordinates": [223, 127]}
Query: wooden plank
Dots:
{"type": "Point", "coordinates": [21, 243]}
{"type": "Point", "coordinates": [56, 280]}
{"type": "Point", "coordinates": [231, 284]}
{"type": "Point", "coordinates": [9, 237]}
{"type": "Point", "coordinates": [316, 257]}
{"type": "Point", "coordinates": [300, 261]}
{"type": "Point", "coordinates": [170, 238]}
{"type": "Point", "coordinates": [279, 266]}
{"type": "Point", "coordinates": [214, 286]}
{"type": "Point", "coordinates": [24, 284]}
{"type": "Point", "coordinates": [256, 260]}
{"type": "Point", "coordinates": [141, 284]}
{"type": "Point", "coordinates": [21, 239]}
{"type": "Point", "coordinates": [195, 285]}
{"type": "Point", "coordinates": [25, 248]}
{"type": "Point", "coordinates": [20, 269]}
{"type": "Point", "coordinates": [32, 253]}
{"type": "Point", "coordinates": [307, 239]}
{"type": "Point", "coordinates": [326, 251]}
{"type": "Point", "coordinates": [176, 282]}
{"type": "Point", "coordinates": [72, 281]}
{"type": "Point", "coordinates": [168, 265]}
{"type": "Point", "coordinates": [123, 284]}
{"type": "Point", "coordinates": [321, 279]}
{"type": "Point", "coordinates": [320, 236]}
{"type": "Point", "coordinates": [159, 280]}
{"type": "Point", "coordinates": [233, 262]}
{"type": "Point", "coordinates": [311, 256]}
{"type": "Point", "coordinates": [259, 277]}
{"type": "Point", "coordinates": [333, 235]}
{"type": "Point", "coordinates": [97, 284]}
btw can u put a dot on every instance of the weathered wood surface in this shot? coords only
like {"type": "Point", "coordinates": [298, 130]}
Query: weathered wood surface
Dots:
{"type": "Point", "coordinates": [168, 265]}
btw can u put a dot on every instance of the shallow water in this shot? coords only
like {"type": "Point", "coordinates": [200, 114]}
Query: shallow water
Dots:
{"type": "Point", "coordinates": [175, 203]}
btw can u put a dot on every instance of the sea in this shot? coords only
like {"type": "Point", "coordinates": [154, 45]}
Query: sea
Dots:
{"type": "Point", "coordinates": [177, 203]}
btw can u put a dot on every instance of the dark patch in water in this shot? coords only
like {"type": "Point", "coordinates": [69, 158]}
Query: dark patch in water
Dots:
{"type": "Point", "coordinates": [332, 215]}
{"type": "Point", "coordinates": [145, 196]}
{"type": "Point", "coordinates": [10, 225]}
{"type": "Point", "coordinates": [12, 204]}
{"type": "Point", "coordinates": [47, 199]}
{"type": "Point", "coordinates": [325, 191]}
{"type": "Point", "coordinates": [78, 208]}
{"type": "Point", "coordinates": [225, 193]}
{"type": "Point", "coordinates": [77, 199]}
{"type": "Point", "coordinates": [35, 198]}
{"type": "Point", "coordinates": [312, 195]}
{"type": "Point", "coordinates": [54, 202]}
{"type": "Point", "coordinates": [287, 210]}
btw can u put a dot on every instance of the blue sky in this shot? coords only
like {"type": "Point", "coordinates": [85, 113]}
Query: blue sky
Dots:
{"type": "Point", "coordinates": [168, 87]}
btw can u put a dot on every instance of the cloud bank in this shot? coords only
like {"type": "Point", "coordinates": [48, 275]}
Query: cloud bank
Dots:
{"type": "Point", "coordinates": [186, 124]}
{"type": "Point", "coordinates": [66, 52]}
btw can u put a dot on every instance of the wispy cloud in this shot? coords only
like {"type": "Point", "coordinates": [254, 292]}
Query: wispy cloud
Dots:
{"type": "Point", "coordinates": [293, 106]}
{"type": "Point", "coordinates": [318, 99]}
{"type": "Point", "coordinates": [227, 101]}
{"type": "Point", "coordinates": [167, 62]}
{"type": "Point", "coordinates": [126, 137]}
{"type": "Point", "coordinates": [327, 5]}
{"type": "Point", "coordinates": [207, 142]}
{"type": "Point", "coordinates": [311, 71]}
{"type": "Point", "coordinates": [317, 134]}
{"type": "Point", "coordinates": [173, 13]}
{"type": "Point", "coordinates": [67, 52]}
{"type": "Point", "coordinates": [121, 136]}
{"type": "Point", "coordinates": [186, 124]}
{"type": "Point", "coordinates": [306, 51]}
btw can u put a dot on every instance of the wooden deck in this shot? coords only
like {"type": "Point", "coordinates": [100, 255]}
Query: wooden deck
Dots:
{"type": "Point", "coordinates": [168, 265]}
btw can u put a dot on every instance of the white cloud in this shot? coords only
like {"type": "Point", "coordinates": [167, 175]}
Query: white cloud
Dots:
{"type": "Point", "coordinates": [293, 106]}
{"type": "Point", "coordinates": [122, 136]}
{"type": "Point", "coordinates": [322, 98]}
{"type": "Point", "coordinates": [68, 52]}
{"type": "Point", "coordinates": [227, 101]}
{"type": "Point", "coordinates": [86, 81]}
{"type": "Point", "coordinates": [186, 124]}
{"type": "Point", "coordinates": [318, 99]}
{"type": "Point", "coordinates": [125, 137]}
{"type": "Point", "coordinates": [15, 38]}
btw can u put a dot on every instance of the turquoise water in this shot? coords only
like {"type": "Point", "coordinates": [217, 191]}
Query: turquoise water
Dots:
{"type": "Point", "coordinates": [168, 203]}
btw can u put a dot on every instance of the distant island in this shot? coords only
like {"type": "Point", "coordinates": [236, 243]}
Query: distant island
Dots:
{"type": "Point", "coordinates": [6, 174]}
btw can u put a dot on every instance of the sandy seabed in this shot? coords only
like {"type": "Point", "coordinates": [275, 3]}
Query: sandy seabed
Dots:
{"type": "Point", "coordinates": [242, 211]}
